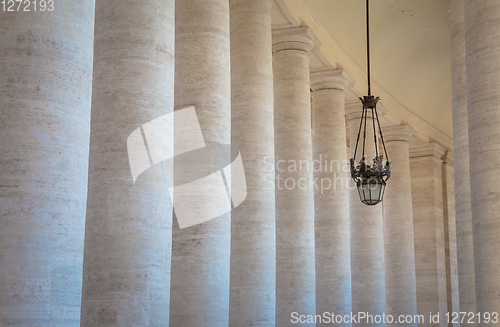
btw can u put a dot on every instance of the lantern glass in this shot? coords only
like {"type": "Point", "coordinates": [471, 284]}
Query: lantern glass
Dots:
{"type": "Point", "coordinates": [371, 190]}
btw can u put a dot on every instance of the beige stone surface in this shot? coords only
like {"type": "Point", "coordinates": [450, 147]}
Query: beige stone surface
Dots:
{"type": "Point", "coordinates": [45, 94]}
{"type": "Point", "coordinates": [367, 232]}
{"type": "Point", "coordinates": [465, 252]}
{"type": "Point", "coordinates": [482, 38]}
{"type": "Point", "coordinates": [331, 198]}
{"type": "Point", "coordinates": [128, 228]}
{"type": "Point", "coordinates": [428, 224]}
{"type": "Point", "coordinates": [400, 283]}
{"type": "Point", "coordinates": [253, 241]}
{"type": "Point", "coordinates": [295, 271]}
{"type": "Point", "coordinates": [201, 253]}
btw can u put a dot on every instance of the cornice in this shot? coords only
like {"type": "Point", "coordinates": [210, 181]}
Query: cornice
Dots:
{"type": "Point", "coordinates": [398, 133]}
{"type": "Point", "coordinates": [331, 79]}
{"type": "Point", "coordinates": [427, 150]}
{"type": "Point", "coordinates": [295, 38]}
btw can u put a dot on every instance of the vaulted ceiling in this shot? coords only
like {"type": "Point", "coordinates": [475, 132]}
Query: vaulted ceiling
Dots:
{"type": "Point", "coordinates": [410, 45]}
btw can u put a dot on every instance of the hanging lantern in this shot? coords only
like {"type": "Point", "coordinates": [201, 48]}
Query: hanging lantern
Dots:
{"type": "Point", "coordinates": [371, 178]}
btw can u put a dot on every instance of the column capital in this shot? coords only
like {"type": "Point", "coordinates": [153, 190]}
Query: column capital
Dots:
{"type": "Point", "coordinates": [295, 38]}
{"type": "Point", "coordinates": [426, 150]}
{"type": "Point", "coordinates": [398, 133]}
{"type": "Point", "coordinates": [353, 110]}
{"type": "Point", "coordinates": [337, 79]}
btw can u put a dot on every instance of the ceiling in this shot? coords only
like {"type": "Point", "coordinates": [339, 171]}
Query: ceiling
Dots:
{"type": "Point", "coordinates": [410, 46]}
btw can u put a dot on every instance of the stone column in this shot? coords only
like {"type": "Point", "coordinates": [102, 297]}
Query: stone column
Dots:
{"type": "Point", "coordinates": [482, 37]}
{"type": "Point", "coordinates": [465, 252]}
{"type": "Point", "coordinates": [253, 240]}
{"type": "Point", "coordinates": [45, 94]}
{"type": "Point", "coordinates": [331, 199]}
{"type": "Point", "coordinates": [201, 253]}
{"type": "Point", "coordinates": [367, 233]}
{"type": "Point", "coordinates": [450, 237]}
{"type": "Point", "coordinates": [400, 284]}
{"type": "Point", "coordinates": [128, 230]}
{"type": "Point", "coordinates": [428, 224]}
{"type": "Point", "coordinates": [295, 277]}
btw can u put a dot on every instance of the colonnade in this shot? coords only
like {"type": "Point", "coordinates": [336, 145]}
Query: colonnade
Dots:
{"type": "Point", "coordinates": [253, 230]}
{"type": "Point", "coordinates": [482, 43]}
{"type": "Point", "coordinates": [331, 205]}
{"type": "Point", "coordinates": [45, 96]}
{"type": "Point", "coordinates": [285, 251]}
{"type": "Point", "coordinates": [428, 221]}
{"type": "Point", "coordinates": [128, 232]}
{"type": "Point", "coordinates": [295, 260]}
{"type": "Point", "coordinates": [463, 212]}
{"type": "Point", "coordinates": [367, 233]}
{"type": "Point", "coordinates": [399, 241]}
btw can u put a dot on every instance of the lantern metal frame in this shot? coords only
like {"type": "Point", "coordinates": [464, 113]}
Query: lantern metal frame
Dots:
{"type": "Point", "coordinates": [370, 178]}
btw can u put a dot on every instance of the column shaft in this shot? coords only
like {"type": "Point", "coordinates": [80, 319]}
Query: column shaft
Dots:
{"type": "Point", "coordinates": [465, 252]}
{"type": "Point", "coordinates": [253, 240]}
{"type": "Point", "coordinates": [367, 233]}
{"type": "Point", "coordinates": [45, 95]}
{"type": "Point", "coordinates": [201, 253]}
{"type": "Point", "coordinates": [400, 284]}
{"type": "Point", "coordinates": [482, 37]}
{"type": "Point", "coordinates": [331, 198]}
{"type": "Point", "coordinates": [450, 237]}
{"type": "Point", "coordinates": [128, 229]}
{"type": "Point", "coordinates": [295, 283]}
{"type": "Point", "coordinates": [428, 224]}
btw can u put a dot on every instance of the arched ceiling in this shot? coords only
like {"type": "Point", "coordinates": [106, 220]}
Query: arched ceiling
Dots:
{"type": "Point", "coordinates": [410, 45]}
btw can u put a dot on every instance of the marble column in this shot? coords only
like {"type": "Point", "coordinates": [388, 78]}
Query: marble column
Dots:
{"type": "Point", "coordinates": [253, 239]}
{"type": "Point", "coordinates": [400, 284]}
{"type": "Point", "coordinates": [482, 39]}
{"type": "Point", "coordinates": [295, 276]}
{"type": "Point", "coordinates": [450, 237]}
{"type": "Point", "coordinates": [465, 252]}
{"type": "Point", "coordinates": [201, 253]}
{"type": "Point", "coordinates": [126, 270]}
{"type": "Point", "coordinates": [331, 198]}
{"type": "Point", "coordinates": [367, 233]}
{"type": "Point", "coordinates": [428, 224]}
{"type": "Point", "coordinates": [45, 95]}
